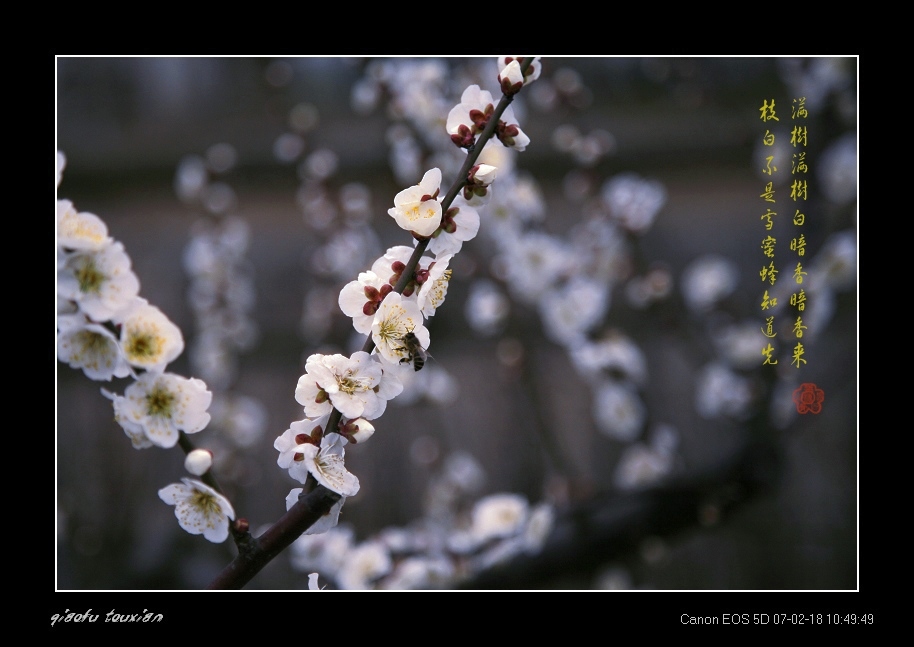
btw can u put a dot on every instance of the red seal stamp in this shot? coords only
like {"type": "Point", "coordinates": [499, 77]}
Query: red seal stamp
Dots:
{"type": "Point", "coordinates": [808, 398]}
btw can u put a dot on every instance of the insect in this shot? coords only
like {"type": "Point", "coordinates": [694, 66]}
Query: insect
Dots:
{"type": "Point", "coordinates": [415, 354]}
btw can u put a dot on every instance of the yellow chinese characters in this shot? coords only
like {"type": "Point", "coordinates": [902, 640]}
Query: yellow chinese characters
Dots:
{"type": "Point", "coordinates": [798, 190]}
{"type": "Point", "coordinates": [767, 111]}
{"type": "Point", "coordinates": [769, 273]}
{"type": "Point", "coordinates": [798, 108]}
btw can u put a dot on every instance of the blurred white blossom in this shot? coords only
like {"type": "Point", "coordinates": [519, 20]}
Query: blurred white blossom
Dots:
{"type": "Point", "coordinates": [618, 410]}
{"type": "Point", "coordinates": [707, 280]}
{"type": "Point", "coordinates": [720, 391]}
{"type": "Point", "coordinates": [634, 202]}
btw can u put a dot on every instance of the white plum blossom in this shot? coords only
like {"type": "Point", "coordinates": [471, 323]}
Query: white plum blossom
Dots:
{"type": "Point", "coordinates": [396, 317]}
{"type": "Point", "coordinates": [738, 344]}
{"type": "Point", "coordinates": [390, 268]}
{"type": "Point", "coordinates": [420, 573]}
{"type": "Point", "coordinates": [80, 230]}
{"type": "Point", "coordinates": [199, 509]}
{"type": "Point", "coordinates": [434, 287]}
{"type": "Point", "coordinates": [356, 431]}
{"type": "Point", "coordinates": [326, 522]}
{"type": "Point", "coordinates": [416, 209]}
{"type": "Point", "coordinates": [325, 552]}
{"type": "Point", "coordinates": [365, 564]}
{"type": "Point", "coordinates": [469, 117]}
{"type": "Point", "coordinates": [510, 74]}
{"type": "Point", "coordinates": [161, 405]}
{"type": "Point", "coordinates": [614, 355]}
{"type": "Point", "coordinates": [484, 174]}
{"type": "Point", "coordinates": [299, 433]}
{"type": "Point", "coordinates": [618, 410]}
{"type": "Point", "coordinates": [486, 307]}
{"type": "Point", "coordinates": [101, 282]}
{"type": "Point", "coordinates": [707, 280]}
{"type": "Point", "coordinates": [633, 202]}
{"type": "Point", "coordinates": [570, 311]}
{"type": "Point", "coordinates": [641, 465]}
{"type": "Point", "coordinates": [91, 347]}
{"type": "Point", "coordinates": [459, 224]}
{"type": "Point", "coordinates": [476, 192]}
{"type": "Point", "coordinates": [501, 158]}
{"type": "Point", "coordinates": [416, 88]}
{"type": "Point", "coordinates": [498, 516]}
{"type": "Point", "coordinates": [149, 339]}
{"type": "Point", "coordinates": [720, 391]}
{"type": "Point", "coordinates": [356, 386]}
{"type": "Point", "coordinates": [360, 299]}
{"type": "Point", "coordinates": [642, 291]}
{"type": "Point", "coordinates": [510, 77]}
{"type": "Point", "coordinates": [509, 133]}
{"type": "Point", "coordinates": [326, 465]}
{"type": "Point", "coordinates": [134, 431]}
{"type": "Point", "coordinates": [603, 251]}
{"type": "Point", "coordinates": [533, 263]}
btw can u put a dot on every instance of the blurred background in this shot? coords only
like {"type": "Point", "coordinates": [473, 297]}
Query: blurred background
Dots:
{"type": "Point", "coordinates": [598, 354]}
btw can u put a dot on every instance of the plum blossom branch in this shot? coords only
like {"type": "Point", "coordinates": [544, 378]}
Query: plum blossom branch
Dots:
{"type": "Point", "coordinates": [309, 509]}
{"type": "Point", "coordinates": [473, 153]}
{"type": "Point", "coordinates": [318, 502]}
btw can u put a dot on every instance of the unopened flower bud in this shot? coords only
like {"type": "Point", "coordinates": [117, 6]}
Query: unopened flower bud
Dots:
{"type": "Point", "coordinates": [511, 78]}
{"type": "Point", "coordinates": [483, 174]}
{"type": "Point", "coordinates": [357, 431]}
{"type": "Point", "coordinates": [198, 462]}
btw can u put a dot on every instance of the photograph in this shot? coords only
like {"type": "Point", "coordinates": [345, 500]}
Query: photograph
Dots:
{"type": "Point", "coordinates": [457, 323]}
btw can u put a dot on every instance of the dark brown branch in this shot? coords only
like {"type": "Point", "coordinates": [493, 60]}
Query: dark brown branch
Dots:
{"type": "Point", "coordinates": [298, 519]}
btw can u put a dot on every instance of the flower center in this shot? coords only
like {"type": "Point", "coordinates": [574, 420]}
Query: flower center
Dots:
{"type": "Point", "coordinates": [159, 402]}
{"type": "Point", "coordinates": [350, 383]}
{"type": "Point", "coordinates": [142, 344]}
{"type": "Point", "coordinates": [89, 276]}
{"type": "Point", "coordinates": [91, 342]}
{"type": "Point", "coordinates": [205, 503]}
{"type": "Point", "coordinates": [392, 329]}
